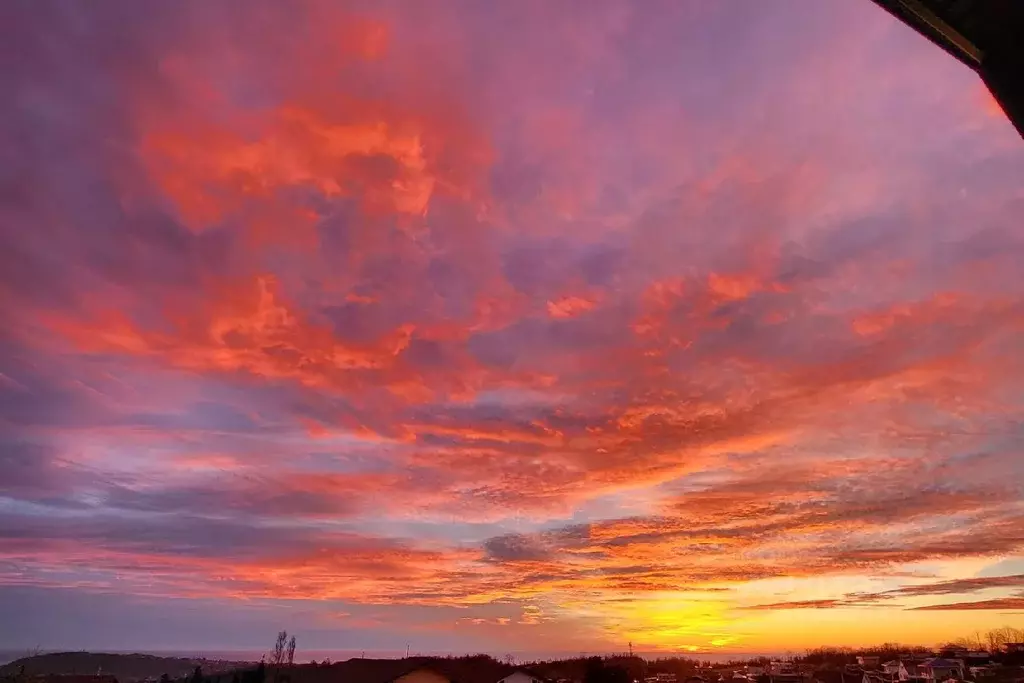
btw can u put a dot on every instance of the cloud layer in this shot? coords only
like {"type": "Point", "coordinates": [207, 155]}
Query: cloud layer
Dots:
{"type": "Point", "coordinates": [637, 320]}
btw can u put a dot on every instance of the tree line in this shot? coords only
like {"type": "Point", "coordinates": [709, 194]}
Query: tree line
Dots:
{"type": "Point", "coordinates": [991, 641]}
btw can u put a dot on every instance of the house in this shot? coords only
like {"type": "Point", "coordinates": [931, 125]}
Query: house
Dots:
{"type": "Point", "coordinates": [955, 652]}
{"type": "Point", "coordinates": [977, 658]}
{"type": "Point", "coordinates": [891, 668]}
{"type": "Point", "coordinates": [939, 669]}
{"type": "Point", "coordinates": [909, 670]}
{"type": "Point", "coordinates": [868, 661]}
{"type": "Point", "coordinates": [930, 670]}
{"type": "Point", "coordinates": [521, 676]}
{"type": "Point", "coordinates": [784, 672]}
{"type": "Point", "coordinates": [664, 678]}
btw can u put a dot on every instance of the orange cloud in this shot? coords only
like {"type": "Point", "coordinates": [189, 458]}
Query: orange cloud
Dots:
{"type": "Point", "coordinates": [569, 307]}
{"type": "Point", "coordinates": [383, 167]}
{"type": "Point", "coordinates": [994, 604]}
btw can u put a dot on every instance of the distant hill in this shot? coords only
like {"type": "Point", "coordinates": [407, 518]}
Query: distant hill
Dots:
{"type": "Point", "coordinates": [126, 667]}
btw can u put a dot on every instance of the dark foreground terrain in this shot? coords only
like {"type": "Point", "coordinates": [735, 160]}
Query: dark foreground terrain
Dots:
{"type": "Point", "coordinates": [124, 667]}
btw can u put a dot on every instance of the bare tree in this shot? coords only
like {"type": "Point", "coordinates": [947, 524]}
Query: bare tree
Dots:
{"type": "Point", "coordinates": [291, 651]}
{"type": "Point", "coordinates": [998, 637]}
{"type": "Point", "coordinates": [966, 643]}
{"type": "Point", "coordinates": [277, 657]}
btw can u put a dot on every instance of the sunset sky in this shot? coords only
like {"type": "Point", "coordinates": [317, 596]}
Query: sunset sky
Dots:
{"type": "Point", "coordinates": [510, 326]}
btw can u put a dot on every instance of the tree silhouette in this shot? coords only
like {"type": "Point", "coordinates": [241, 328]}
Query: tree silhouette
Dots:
{"type": "Point", "coordinates": [277, 657]}
{"type": "Point", "coordinates": [284, 652]}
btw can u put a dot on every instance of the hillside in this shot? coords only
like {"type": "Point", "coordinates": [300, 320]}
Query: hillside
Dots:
{"type": "Point", "coordinates": [125, 667]}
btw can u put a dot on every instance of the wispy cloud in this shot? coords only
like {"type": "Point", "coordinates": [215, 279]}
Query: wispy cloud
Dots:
{"type": "Point", "coordinates": [801, 604]}
{"type": "Point", "coordinates": [993, 604]}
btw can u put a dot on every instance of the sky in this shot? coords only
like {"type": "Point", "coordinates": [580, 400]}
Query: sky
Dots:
{"type": "Point", "coordinates": [507, 327]}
